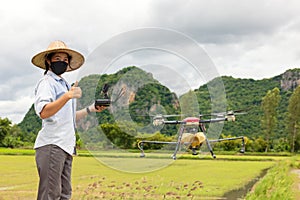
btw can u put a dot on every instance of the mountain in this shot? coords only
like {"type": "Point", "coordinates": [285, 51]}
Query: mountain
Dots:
{"type": "Point", "coordinates": [247, 94]}
{"type": "Point", "coordinates": [144, 94]}
{"type": "Point", "coordinates": [244, 94]}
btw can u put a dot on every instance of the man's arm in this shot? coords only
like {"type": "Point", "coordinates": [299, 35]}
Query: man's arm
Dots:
{"type": "Point", "coordinates": [80, 114]}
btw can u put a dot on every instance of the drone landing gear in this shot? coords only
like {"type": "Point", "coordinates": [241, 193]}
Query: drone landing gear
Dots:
{"type": "Point", "coordinates": [178, 141]}
{"type": "Point", "coordinates": [242, 150]}
{"type": "Point", "coordinates": [194, 152]}
{"type": "Point", "coordinates": [243, 144]}
{"type": "Point", "coordinates": [213, 155]}
{"type": "Point", "coordinates": [210, 148]}
{"type": "Point", "coordinates": [141, 146]}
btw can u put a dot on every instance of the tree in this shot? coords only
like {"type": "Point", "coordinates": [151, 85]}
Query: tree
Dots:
{"type": "Point", "coordinates": [120, 136]}
{"type": "Point", "coordinates": [269, 105]}
{"type": "Point", "coordinates": [13, 138]}
{"type": "Point", "coordinates": [189, 104]}
{"type": "Point", "coordinates": [293, 125]}
{"type": "Point", "coordinates": [5, 126]}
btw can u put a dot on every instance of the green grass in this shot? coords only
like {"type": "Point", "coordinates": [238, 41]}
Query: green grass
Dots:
{"type": "Point", "coordinates": [18, 177]}
{"type": "Point", "coordinates": [112, 175]}
{"type": "Point", "coordinates": [279, 183]}
{"type": "Point", "coordinates": [91, 179]}
{"type": "Point", "coordinates": [9, 151]}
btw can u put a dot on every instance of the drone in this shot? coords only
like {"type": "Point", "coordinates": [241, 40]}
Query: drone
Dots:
{"type": "Point", "coordinates": [192, 132]}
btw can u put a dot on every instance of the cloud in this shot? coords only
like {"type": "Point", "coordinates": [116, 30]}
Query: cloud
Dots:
{"type": "Point", "coordinates": [15, 109]}
{"type": "Point", "coordinates": [29, 27]}
{"type": "Point", "coordinates": [261, 57]}
{"type": "Point", "coordinates": [252, 39]}
{"type": "Point", "coordinates": [224, 21]}
{"type": "Point", "coordinates": [245, 40]}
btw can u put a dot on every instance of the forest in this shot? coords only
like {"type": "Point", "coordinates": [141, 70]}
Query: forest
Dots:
{"type": "Point", "coordinates": [271, 121]}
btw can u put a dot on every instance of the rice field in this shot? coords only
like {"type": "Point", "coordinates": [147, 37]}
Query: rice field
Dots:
{"type": "Point", "coordinates": [117, 176]}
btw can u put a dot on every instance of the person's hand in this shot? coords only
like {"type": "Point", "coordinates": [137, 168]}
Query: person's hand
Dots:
{"type": "Point", "coordinates": [75, 91]}
{"type": "Point", "coordinates": [94, 108]}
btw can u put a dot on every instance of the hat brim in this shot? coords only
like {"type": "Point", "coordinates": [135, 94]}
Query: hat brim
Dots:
{"type": "Point", "coordinates": [77, 58]}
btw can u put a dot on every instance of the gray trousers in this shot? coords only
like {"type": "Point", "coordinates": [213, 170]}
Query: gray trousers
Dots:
{"type": "Point", "coordinates": [54, 168]}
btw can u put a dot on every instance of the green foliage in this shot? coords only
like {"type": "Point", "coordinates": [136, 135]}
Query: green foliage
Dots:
{"type": "Point", "coordinates": [293, 125]}
{"type": "Point", "coordinates": [5, 126]}
{"type": "Point", "coordinates": [14, 138]}
{"type": "Point", "coordinates": [269, 120]}
{"type": "Point", "coordinates": [189, 104]}
{"type": "Point", "coordinates": [121, 136]}
{"type": "Point", "coordinates": [259, 145]}
{"type": "Point", "coordinates": [277, 184]}
{"type": "Point", "coordinates": [11, 135]}
{"type": "Point", "coordinates": [145, 95]}
{"type": "Point", "coordinates": [30, 126]}
{"type": "Point", "coordinates": [246, 94]}
{"type": "Point", "coordinates": [88, 86]}
{"type": "Point", "coordinates": [156, 137]}
{"type": "Point", "coordinates": [229, 145]}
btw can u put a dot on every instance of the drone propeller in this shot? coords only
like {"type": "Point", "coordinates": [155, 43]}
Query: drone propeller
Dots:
{"type": "Point", "coordinates": [159, 119]}
{"type": "Point", "coordinates": [203, 115]}
{"type": "Point", "coordinates": [228, 115]}
{"type": "Point", "coordinates": [164, 116]}
{"type": "Point", "coordinates": [230, 112]}
{"type": "Point", "coordinates": [174, 115]}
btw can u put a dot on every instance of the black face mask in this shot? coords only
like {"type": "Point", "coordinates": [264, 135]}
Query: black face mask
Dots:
{"type": "Point", "coordinates": [59, 67]}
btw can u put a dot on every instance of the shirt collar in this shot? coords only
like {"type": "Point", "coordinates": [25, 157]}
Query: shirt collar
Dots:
{"type": "Point", "coordinates": [57, 78]}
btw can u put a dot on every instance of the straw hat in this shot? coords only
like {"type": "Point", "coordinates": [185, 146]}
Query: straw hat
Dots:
{"type": "Point", "coordinates": [58, 46]}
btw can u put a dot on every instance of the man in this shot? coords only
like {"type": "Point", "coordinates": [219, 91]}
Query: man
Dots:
{"type": "Point", "coordinates": [55, 104]}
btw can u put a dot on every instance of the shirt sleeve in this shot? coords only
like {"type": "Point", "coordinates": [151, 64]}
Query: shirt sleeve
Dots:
{"type": "Point", "coordinates": [44, 94]}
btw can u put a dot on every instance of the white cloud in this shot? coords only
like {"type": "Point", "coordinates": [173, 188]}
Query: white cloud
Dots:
{"type": "Point", "coordinates": [252, 39]}
{"type": "Point", "coordinates": [224, 21]}
{"type": "Point", "coordinates": [263, 57]}
{"type": "Point", "coordinates": [15, 109]}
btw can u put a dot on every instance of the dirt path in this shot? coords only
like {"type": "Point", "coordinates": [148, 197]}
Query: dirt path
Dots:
{"type": "Point", "coordinates": [242, 192]}
{"type": "Point", "coordinates": [296, 186]}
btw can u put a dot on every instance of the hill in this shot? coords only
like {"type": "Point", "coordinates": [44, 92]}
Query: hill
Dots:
{"type": "Point", "coordinates": [146, 94]}
{"type": "Point", "coordinates": [143, 93]}
{"type": "Point", "coordinates": [247, 94]}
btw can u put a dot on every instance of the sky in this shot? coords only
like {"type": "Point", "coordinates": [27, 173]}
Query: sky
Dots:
{"type": "Point", "coordinates": [244, 39]}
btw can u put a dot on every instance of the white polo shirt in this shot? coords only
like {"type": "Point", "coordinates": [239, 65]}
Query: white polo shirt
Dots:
{"type": "Point", "coordinates": [58, 129]}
